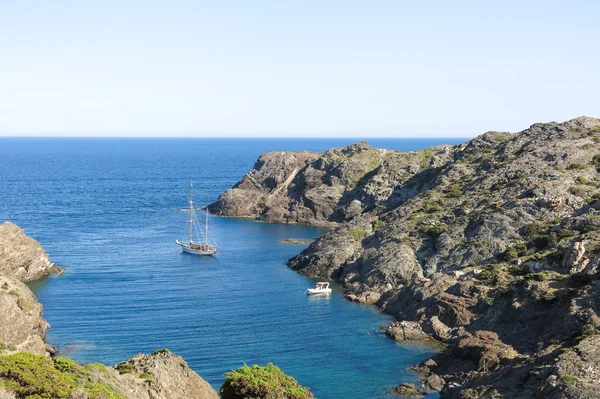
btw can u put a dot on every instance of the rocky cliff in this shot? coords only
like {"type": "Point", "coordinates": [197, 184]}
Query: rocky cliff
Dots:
{"type": "Point", "coordinates": [22, 257]}
{"type": "Point", "coordinates": [26, 369]}
{"type": "Point", "coordinates": [478, 245]}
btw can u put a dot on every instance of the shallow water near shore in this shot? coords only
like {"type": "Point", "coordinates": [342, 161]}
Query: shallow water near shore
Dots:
{"type": "Point", "coordinates": [102, 209]}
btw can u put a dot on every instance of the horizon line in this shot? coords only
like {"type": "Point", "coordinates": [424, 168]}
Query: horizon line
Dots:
{"type": "Point", "coordinates": [239, 137]}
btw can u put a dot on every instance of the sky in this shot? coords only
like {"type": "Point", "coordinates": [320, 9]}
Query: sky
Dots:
{"type": "Point", "coordinates": [304, 68]}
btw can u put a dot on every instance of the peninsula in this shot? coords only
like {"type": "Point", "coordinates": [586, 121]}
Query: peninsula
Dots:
{"type": "Point", "coordinates": [491, 247]}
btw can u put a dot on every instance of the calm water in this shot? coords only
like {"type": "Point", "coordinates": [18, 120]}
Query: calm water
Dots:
{"type": "Point", "coordinates": [102, 209]}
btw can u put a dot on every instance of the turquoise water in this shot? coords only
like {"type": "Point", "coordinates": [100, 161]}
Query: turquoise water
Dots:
{"type": "Point", "coordinates": [102, 209]}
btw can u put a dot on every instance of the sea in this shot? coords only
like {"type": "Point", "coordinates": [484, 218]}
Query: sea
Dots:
{"type": "Point", "coordinates": [103, 209]}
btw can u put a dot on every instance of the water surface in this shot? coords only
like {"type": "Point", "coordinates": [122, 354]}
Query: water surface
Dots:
{"type": "Point", "coordinates": [102, 209]}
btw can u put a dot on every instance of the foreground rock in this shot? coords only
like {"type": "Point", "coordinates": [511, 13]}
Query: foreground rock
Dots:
{"type": "Point", "coordinates": [22, 327]}
{"type": "Point", "coordinates": [160, 375]}
{"type": "Point", "coordinates": [22, 257]}
{"type": "Point", "coordinates": [491, 246]}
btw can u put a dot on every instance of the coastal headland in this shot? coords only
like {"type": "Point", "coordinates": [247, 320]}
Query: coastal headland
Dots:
{"type": "Point", "coordinates": [490, 247]}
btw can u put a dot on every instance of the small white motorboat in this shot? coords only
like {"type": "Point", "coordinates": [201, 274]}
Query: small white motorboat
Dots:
{"type": "Point", "coordinates": [321, 288]}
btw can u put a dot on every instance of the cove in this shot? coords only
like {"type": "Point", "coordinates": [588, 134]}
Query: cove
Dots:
{"type": "Point", "coordinates": [102, 209]}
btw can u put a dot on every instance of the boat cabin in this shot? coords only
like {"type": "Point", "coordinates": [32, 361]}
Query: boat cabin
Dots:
{"type": "Point", "coordinates": [322, 285]}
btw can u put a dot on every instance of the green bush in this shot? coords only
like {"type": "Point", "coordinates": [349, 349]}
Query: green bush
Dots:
{"type": "Point", "coordinates": [578, 191]}
{"type": "Point", "coordinates": [454, 191]}
{"type": "Point", "coordinates": [433, 231]}
{"type": "Point", "coordinates": [358, 234]}
{"type": "Point", "coordinates": [64, 364]}
{"type": "Point", "coordinates": [267, 382]}
{"type": "Point", "coordinates": [533, 229]}
{"type": "Point", "coordinates": [38, 377]}
{"type": "Point", "coordinates": [577, 166]}
{"type": "Point", "coordinates": [124, 368]}
{"type": "Point", "coordinates": [596, 161]}
{"type": "Point", "coordinates": [568, 379]}
{"type": "Point", "coordinates": [514, 252]}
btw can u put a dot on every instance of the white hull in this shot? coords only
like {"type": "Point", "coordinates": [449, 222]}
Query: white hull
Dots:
{"type": "Point", "coordinates": [189, 250]}
{"type": "Point", "coordinates": [314, 291]}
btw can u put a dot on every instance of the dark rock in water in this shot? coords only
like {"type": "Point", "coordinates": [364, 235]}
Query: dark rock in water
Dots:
{"type": "Point", "coordinates": [407, 390]}
{"type": "Point", "coordinates": [499, 234]}
{"type": "Point", "coordinates": [402, 331]}
{"type": "Point", "coordinates": [298, 241]}
{"type": "Point", "coordinates": [22, 257]}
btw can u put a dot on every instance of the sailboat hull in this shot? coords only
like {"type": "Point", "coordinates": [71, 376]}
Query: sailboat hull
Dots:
{"type": "Point", "coordinates": [187, 249]}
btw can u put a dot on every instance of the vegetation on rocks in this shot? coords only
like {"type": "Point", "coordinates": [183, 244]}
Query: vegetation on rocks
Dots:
{"type": "Point", "coordinates": [35, 376]}
{"type": "Point", "coordinates": [500, 234]}
{"type": "Point", "coordinates": [262, 382]}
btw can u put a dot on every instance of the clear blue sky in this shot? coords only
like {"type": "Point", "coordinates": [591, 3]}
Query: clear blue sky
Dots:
{"type": "Point", "coordinates": [295, 68]}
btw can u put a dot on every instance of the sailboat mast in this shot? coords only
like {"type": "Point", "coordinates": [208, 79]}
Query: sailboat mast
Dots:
{"type": "Point", "coordinates": [191, 212]}
{"type": "Point", "coordinates": [206, 225]}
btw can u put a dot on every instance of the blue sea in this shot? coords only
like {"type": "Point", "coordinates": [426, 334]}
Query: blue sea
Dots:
{"type": "Point", "coordinates": [102, 209]}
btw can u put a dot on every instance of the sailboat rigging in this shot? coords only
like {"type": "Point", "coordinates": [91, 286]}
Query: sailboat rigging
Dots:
{"type": "Point", "coordinates": [192, 247]}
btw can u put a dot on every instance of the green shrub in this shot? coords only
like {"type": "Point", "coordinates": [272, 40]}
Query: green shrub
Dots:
{"type": "Point", "coordinates": [358, 234]}
{"type": "Point", "coordinates": [64, 364]}
{"type": "Point", "coordinates": [377, 224]}
{"type": "Point", "coordinates": [568, 379]}
{"type": "Point", "coordinates": [267, 382]}
{"type": "Point", "coordinates": [124, 368]}
{"type": "Point", "coordinates": [498, 185]}
{"type": "Point", "coordinates": [432, 206]}
{"type": "Point", "coordinates": [583, 180]}
{"type": "Point", "coordinates": [587, 330]}
{"type": "Point", "coordinates": [578, 191]}
{"type": "Point", "coordinates": [514, 252]}
{"type": "Point", "coordinates": [453, 191]}
{"type": "Point", "coordinates": [38, 377]}
{"type": "Point", "coordinates": [533, 229]}
{"type": "Point", "coordinates": [489, 276]}
{"type": "Point", "coordinates": [577, 166]}
{"type": "Point", "coordinates": [596, 161]}
{"type": "Point", "coordinates": [433, 231]}
{"type": "Point", "coordinates": [520, 175]}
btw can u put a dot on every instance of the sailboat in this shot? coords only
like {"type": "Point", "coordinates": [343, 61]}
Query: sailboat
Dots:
{"type": "Point", "coordinates": [192, 247]}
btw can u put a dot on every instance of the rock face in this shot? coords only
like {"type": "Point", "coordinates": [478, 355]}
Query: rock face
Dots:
{"type": "Point", "coordinates": [22, 327]}
{"type": "Point", "coordinates": [481, 244]}
{"type": "Point", "coordinates": [160, 375]}
{"type": "Point", "coordinates": [22, 257]}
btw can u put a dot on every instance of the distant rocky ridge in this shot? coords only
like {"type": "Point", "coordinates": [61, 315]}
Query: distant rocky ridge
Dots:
{"type": "Point", "coordinates": [491, 246]}
{"type": "Point", "coordinates": [24, 353]}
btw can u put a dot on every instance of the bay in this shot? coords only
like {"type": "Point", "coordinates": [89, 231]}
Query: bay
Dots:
{"type": "Point", "coordinates": [102, 209]}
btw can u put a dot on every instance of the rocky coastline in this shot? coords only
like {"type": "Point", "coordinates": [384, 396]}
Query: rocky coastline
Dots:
{"type": "Point", "coordinates": [491, 247]}
{"type": "Point", "coordinates": [31, 368]}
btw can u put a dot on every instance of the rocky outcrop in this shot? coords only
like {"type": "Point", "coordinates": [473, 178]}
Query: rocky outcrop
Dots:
{"type": "Point", "coordinates": [22, 257]}
{"type": "Point", "coordinates": [480, 244]}
{"type": "Point", "coordinates": [160, 375]}
{"type": "Point", "coordinates": [22, 327]}
{"type": "Point", "coordinates": [321, 188]}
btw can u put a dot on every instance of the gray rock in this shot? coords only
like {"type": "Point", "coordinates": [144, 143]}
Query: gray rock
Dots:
{"type": "Point", "coordinates": [22, 257]}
